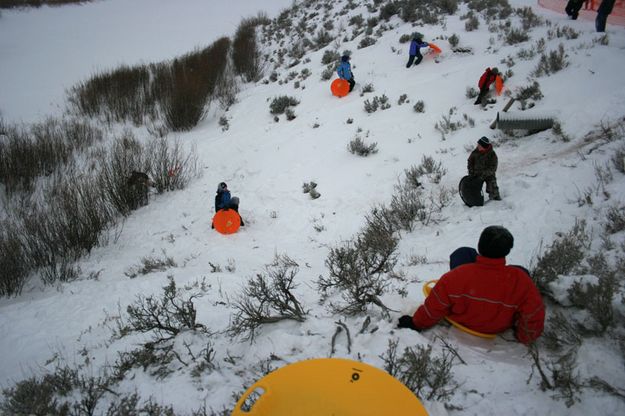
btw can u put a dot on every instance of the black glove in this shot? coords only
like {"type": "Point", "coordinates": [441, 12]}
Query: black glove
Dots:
{"type": "Point", "coordinates": [406, 322]}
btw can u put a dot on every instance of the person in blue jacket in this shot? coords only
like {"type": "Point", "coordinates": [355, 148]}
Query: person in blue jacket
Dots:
{"type": "Point", "coordinates": [224, 200]}
{"type": "Point", "coordinates": [344, 71]}
{"type": "Point", "coordinates": [415, 50]}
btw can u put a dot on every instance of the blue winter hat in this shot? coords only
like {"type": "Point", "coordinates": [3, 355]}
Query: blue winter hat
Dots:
{"type": "Point", "coordinates": [345, 58]}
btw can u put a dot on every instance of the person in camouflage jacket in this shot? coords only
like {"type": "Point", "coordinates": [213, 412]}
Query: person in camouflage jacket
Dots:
{"type": "Point", "coordinates": [482, 163]}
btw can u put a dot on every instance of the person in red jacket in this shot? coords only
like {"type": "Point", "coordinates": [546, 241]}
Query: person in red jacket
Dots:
{"type": "Point", "coordinates": [488, 78]}
{"type": "Point", "coordinates": [485, 295]}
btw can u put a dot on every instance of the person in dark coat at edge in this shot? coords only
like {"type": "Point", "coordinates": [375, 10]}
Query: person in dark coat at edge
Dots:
{"type": "Point", "coordinates": [415, 49]}
{"type": "Point", "coordinates": [487, 79]}
{"type": "Point", "coordinates": [604, 10]}
{"type": "Point", "coordinates": [138, 184]}
{"type": "Point", "coordinates": [344, 71]}
{"type": "Point", "coordinates": [482, 163]}
{"type": "Point", "coordinates": [223, 200]}
{"type": "Point", "coordinates": [573, 7]}
{"type": "Point", "coordinates": [484, 294]}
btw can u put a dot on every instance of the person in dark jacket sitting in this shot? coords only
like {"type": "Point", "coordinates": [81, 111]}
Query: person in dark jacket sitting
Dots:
{"type": "Point", "coordinates": [485, 295]}
{"type": "Point", "coordinates": [224, 200]}
{"type": "Point", "coordinates": [482, 163]}
{"type": "Point", "coordinates": [415, 50]}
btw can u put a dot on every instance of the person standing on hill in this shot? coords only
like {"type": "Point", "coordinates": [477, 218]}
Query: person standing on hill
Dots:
{"type": "Point", "coordinates": [488, 78]}
{"type": "Point", "coordinates": [604, 10]}
{"type": "Point", "coordinates": [483, 293]}
{"type": "Point", "coordinates": [572, 8]}
{"type": "Point", "coordinates": [344, 71]}
{"type": "Point", "coordinates": [415, 49]}
{"type": "Point", "coordinates": [482, 163]}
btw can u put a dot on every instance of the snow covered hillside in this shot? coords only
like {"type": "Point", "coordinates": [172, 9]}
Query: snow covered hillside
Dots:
{"type": "Point", "coordinates": [551, 182]}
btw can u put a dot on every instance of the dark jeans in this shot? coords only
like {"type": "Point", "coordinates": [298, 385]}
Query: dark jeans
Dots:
{"type": "Point", "coordinates": [418, 56]}
{"type": "Point", "coordinates": [352, 82]}
{"type": "Point", "coordinates": [572, 8]}
{"type": "Point", "coordinates": [605, 8]}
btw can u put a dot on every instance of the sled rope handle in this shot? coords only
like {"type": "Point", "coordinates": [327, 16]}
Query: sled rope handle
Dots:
{"type": "Point", "coordinates": [427, 288]}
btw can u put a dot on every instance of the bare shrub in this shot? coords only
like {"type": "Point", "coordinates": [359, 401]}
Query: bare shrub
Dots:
{"type": "Point", "coordinates": [13, 264]}
{"type": "Point", "coordinates": [618, 159]}
{"type": "Point", "coordinates": [448, 125]}
{"type": "Point", "coordinates": [366, 41]}
{"type": "Point", "coordinates": [419, 107]}
{"type": "Point", "coordinates": [165, 317]}
{"type": "Point", "coordinates": [151, 264]}
{"type": "Point", "coordinates": [596, 299]}
{"type": "Point", "coordinates": [330, 56]}
{"type": "Point", "coordinates": [245, 50]}
{"type": "Point", "coordinates": [116, 95]}
{"type": "Point", "coordinates": [357, 146]}
{"type": "Point", "coordinates": [125, 156]}
{"type": "Point", "coordinates": [358, 268]}
{"type": "Point", "coordinates": [427, 376]}
{"type": "Point", "coordinates": [169, 166]}
{"type": "Point", "coordinates": [377, 102]}
{"type": "Point", "coordinates": [530, 92]}
{"type": "Point", "coordinates": [268, 298]}
{"type": "Point", "coordinates": [189, 85]}
{"type": "Point", "coordinates": [553, 62]}
{"type": "Point", "coordinates": [389, 10]}
{"type": "Point", "coordinates": [615, 219]}
{"type": "Point", "coordinates": [472, 23]}
{"type": "Point", "coordinates": [323, 38]}
{"type": "Point", "coordinates": [560, 376]}
{"type": "Point", "coordinates": [562, 257]}
{"type": "Point", "coordinates": [28, 153]}
{"type": "Point", "coordinates": [454, 40]}
{"type": "Point", "coordinates": [560, 333]}
{"type": "Point", "coordinates": [529, 19]}
{"type": "Point", "coordinates": [280, 104]}
{"type": "Point", "coordinates": [429, 167]}
{"type": "Point", "coordinates": [514, 36]}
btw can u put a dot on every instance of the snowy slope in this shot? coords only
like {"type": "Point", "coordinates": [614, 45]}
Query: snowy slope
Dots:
{"type": "Point", "coordinates": [265, 163]}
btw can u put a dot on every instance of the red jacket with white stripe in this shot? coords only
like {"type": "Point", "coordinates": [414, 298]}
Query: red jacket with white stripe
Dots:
{"type": "Point", "coordinates": [486, 296]}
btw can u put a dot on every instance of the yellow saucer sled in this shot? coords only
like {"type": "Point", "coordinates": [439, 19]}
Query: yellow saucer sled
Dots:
{"type": "Point", "coordinates": [328, 386]}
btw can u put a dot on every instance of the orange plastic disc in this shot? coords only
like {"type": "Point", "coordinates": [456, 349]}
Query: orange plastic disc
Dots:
{"type": "Point", "coordinates": [226, 221]}
{"type": "Point", "coordinates": [434, 48]}
{"type": "Point", "coordinates": [339, 87]}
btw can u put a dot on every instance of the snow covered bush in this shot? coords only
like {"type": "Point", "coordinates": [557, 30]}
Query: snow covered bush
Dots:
{"type": "Point", "coordinates": [615, 219]}
{"type": "Point", "coordinates": [427, 376]}
{"type": "Point", "coordinates": [618, 159]}
{"type": "Point", "coordinates": [562, 257]}
{"type": "Point", "coordinates": [41, 149]}
{"type": "Point", "coordinates": [268, 298]}
{"type": "Point", "coordinates": [432, 169]}
{"type": "Point", "coordinates": [280, 104]}
{"type": "Point", "coordinates": [358, 147]}
{"type": "Point", "coordinates": [514, 36]}
{"type": "Point", "coordinates": [366, 41]}
{"type": "Point", "coordinates": [13, 265]}
{"type": "Point", "coordinates": [472, 23]}
{"type": "Point", "coordinates": [419, 107]}
{"type": "Point", "coordinates": [530, 92]}
{"type": "Point", "coordinates": [358, 269]}
{"type": "Point", "coordinates": [549, 64]}
{"type": "Point", "coordinates": [330, 56]}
